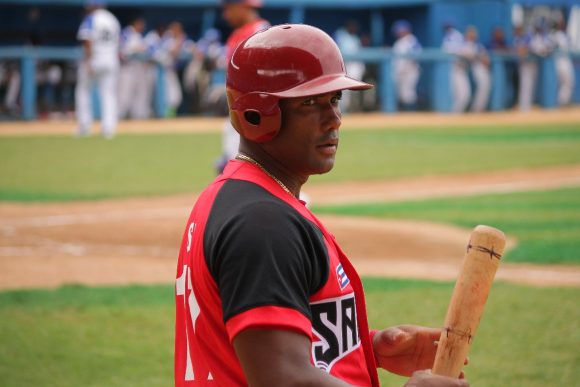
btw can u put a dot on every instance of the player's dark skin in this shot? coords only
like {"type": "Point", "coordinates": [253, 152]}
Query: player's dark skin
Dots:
{"type": "Point", "coordinates": [306, 145]}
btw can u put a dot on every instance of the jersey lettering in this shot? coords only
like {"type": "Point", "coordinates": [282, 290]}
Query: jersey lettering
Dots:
{"type": "Point", "coordinates": [194, 311]}
{"type": "Point", "coordinates": [190, 235]}
{"type": "Point", "coordinates": [105, 36]}
{"type": "Point", "coordinates": [334, 323]}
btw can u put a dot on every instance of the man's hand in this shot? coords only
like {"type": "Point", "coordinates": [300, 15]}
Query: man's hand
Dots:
{"type": "Point", "coordinates": [427, 379]}
{"type": "Point", "coordinates": [405, 349]}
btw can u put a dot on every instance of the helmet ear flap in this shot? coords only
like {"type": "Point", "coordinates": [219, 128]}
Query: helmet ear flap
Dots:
{"type": "Point", "coordinates": [256, 116]}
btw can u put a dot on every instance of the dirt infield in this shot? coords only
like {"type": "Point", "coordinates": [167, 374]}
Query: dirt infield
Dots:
{"type": "Point", "coordinates": [136, 240]}
{"type": "Point", "coordinates": [350, 121]}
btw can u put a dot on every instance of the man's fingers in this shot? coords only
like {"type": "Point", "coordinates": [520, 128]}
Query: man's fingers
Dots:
{"type": "Point", "coordinates": [426, 378]}
{"type": "Point", "coordinates": [396, 336]}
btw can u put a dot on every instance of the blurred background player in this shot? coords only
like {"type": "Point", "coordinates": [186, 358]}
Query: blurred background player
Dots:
{"type": "Point", "coordinates": [564, 66]}
{"type": "Point", "coordinates": [132, 94]}
{"type": "Point", "coordinates": [11, 78]}
{"type": "Point", "coordinates": [478, 60]}
{"type": "Point", "coordinates": [527, 68]}
{"type": "Point", "coordinates": [453, 43]}
{"type": "Point", "coordinates": [174, 45]}
{"type": "Point", "coordinates": [154, 52]}
{"type": "Point", "coordinates": [244, 18]}
{"type": "Point", "coordinates": [406, 70]}
{"type": "Point", "coordinates": [197, 78]}
{"type": "Point", "coordinates": [498, 42]}
{"type": "Point", "coordinates": [99, 33]}
{"type": "Point", "coordinates": [349, 42]}
{"type": "Point", "coordinates": [530, 48]}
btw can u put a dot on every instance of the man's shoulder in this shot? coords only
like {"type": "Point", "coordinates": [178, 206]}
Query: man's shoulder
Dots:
{"type": "Point", "coordinates": [245, 204]}
{"type": "Point", "coordinates": [105, 17]}
{"type": "Point", "coordinates": [249, 196]}
{"type": "Point", "coordinates": [251, 28]}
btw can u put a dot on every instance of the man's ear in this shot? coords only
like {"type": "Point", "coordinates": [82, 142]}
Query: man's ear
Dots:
{"type": "Point", "coordinates": [256, 116]}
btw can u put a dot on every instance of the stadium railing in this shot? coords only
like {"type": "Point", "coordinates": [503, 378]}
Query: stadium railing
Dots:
{"type": "Point", "coordinates": [439, 63]}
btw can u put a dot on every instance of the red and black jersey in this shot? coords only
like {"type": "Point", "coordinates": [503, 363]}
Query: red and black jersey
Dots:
{"type": "Point", "coordinates": [254, 256]}
{"type": "Point", "coordinates": [242, 33]}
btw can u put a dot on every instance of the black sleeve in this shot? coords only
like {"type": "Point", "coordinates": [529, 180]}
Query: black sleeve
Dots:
{"type": "Point", "coordinates": [265, 254]}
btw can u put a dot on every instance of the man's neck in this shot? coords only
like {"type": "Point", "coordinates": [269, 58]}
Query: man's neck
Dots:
{"type": "Point", "coordinates": [275, 169]}
{"type": "Point", "coordinates": [251, 17]}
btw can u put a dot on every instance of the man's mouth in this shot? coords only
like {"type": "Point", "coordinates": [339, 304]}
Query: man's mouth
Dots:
{"type": "Point", "coordinates": [329, 147]}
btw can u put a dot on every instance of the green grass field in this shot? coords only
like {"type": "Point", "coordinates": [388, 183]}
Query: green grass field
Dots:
{"type": "Point", "coordinates": [123, 336]}
{"type": "Point", "coordinates": [546, 224]}
{"type": "Point", "coordinates": [79, 336]}
{"type": "Point", "coordinates": [57, 168]}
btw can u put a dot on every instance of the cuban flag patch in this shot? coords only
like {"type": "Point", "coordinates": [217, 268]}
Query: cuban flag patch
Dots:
{"type": "Point", "coordinates": [341, 276]}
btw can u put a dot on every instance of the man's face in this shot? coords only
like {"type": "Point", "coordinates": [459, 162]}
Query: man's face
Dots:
{"type": "Point", "coordinates": [233, 14]}
{"type": "Point", "coordinates": [308, 138]}
{"type": "Point", "coordinates": [471, 35]}
{"type": "Point", "coordinates": [140, 25]}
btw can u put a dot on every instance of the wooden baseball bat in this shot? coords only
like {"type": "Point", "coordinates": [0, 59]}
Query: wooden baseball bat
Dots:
{"type": "Point", "coordinates": [484, 252]}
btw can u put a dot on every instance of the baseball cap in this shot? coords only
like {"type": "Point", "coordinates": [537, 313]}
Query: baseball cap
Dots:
{"type": "Point", "coordinates": [401, 26]}
{"type": "Point", "coordinates": [449, 23]}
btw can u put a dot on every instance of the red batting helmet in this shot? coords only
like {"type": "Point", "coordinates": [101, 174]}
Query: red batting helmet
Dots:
{"type": "Point", "coordinates": [284, 61]}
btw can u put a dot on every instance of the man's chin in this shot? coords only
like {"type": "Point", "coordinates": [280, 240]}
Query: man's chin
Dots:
{"type": "Point", "coordinates": [326, 167]}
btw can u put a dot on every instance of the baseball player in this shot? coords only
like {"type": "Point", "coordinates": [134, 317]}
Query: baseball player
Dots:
{"type": "Point", "coordinates": [99, 33]}
{"type": "Point", "coordinates": [174, 44]}
{"type": "Point", "coordinates": [133, 100]}
{"type": "Point", "coordinates": [406, 71]}
{"type": "Point", "coordinates": [453, 43]}
{"type": "Point", "coordinates": [155, 55]}
{"type": "Point", "coordinates": [527, 68]}
{"type": "Point", "coordinates": [476, 55]}
{"type": "Point", "coordinates": [264, 294]}
{"type": "Point", "coordinates": [530, 48]}
{"type": "Point", "coordinates": [197, 76]}
{"type": "Point", "coordinates": [11, 76]}
{"type": "Point", "coordinates": [349, 42]}
{"type": "Point", "coordinates": [243, 16]}
{"type": "Point", "coordinates": [564, 66]}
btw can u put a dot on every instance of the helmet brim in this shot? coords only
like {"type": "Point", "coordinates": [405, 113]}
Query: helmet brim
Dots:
{"type": "Point", "coordinates": [323, 85]}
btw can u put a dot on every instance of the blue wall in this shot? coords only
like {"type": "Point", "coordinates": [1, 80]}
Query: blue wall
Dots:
{"type": "Point", "coordinates": [59, 22]}
{"type": "Point", "coordinates": [60, 18]}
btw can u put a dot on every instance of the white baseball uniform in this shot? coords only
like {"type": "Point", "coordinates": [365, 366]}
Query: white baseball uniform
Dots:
{"type": "Point", "coordinates": [173, 47]}
{"type": "Point", "coordinates": [564, 67]}
{"type": "Point", "coordinates": [461, 89]}
{"type": "Point", "coordinates": [133, 97]}
{"type": "Point", "coordinates": [152, 42]}
{"type": "Point", "coordinates": [538, 45]}
{"type": "Point", "coordinates": [101, 28]}
{"type": "Point", "coordinates": [406, 71]}
{"type": "Point", "coordinates": [475, 53]}
{"type": "Point", "coordinates": [349, 44]}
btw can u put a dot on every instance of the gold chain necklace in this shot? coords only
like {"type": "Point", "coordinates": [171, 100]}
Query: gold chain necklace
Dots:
{"type": "Point", "coordinates": [243, 157]}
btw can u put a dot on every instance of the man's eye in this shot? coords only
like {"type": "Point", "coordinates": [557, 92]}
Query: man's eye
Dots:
{"type": "Point", "coordinates": [308, 102]}
{"type": "Point", "coordinates": [337, 98]}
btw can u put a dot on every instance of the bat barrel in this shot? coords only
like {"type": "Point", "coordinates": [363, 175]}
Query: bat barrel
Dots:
{"type": "Point", "coordinates": [482, 257]}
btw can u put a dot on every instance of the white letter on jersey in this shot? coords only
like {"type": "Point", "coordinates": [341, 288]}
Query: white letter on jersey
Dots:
{"type": "Point", "coordinates": [190, 236]}
{"type": "Point", "coordinates": [194, 311]}
{"type": "Point", "coordinates": [180, 291]}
